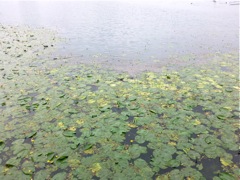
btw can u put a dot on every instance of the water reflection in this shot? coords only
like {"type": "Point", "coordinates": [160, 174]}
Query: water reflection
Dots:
{"type": "Point", "coordinates": [131, 31]}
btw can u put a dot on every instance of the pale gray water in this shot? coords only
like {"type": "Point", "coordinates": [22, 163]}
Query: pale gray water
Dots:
{"type": "Point", "coordinates": [133, 31]}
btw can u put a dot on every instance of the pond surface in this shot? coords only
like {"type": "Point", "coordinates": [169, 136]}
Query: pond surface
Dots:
{"type": "Point", "coordinates": [65, 117]}
{"type": "Point", "coordinates": [130, 32]}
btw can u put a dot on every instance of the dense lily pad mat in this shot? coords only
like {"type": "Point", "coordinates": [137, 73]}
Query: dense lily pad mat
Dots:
{"type": "Point", "coordinates": [82, 122]}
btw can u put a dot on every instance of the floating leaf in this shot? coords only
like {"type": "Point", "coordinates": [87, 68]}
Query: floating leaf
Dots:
{"type": "Point", "coordinates": [74, 163]}
{"type": "Point", "coordinates": [50, 156]}
{"type": "Point", "coordinates": [60, 176]}
{"type": "Point", "coordinates": [152, 111]}
{"type": "Point", "coordinates": [2, 145]}
{"type": "Point", "coordinates": [225, 162]}
{"type": "Point", "coordinates": [89, 151]}
{"type": "Point", "coordinates": [80, 121]}
{"type": "Point", "coordinates": [132, 98]}
{"type": "Point", "coordinates": [221, 117]}
{"type": "Point", "coordinates": [132, 125]}
{"type": "Point", "coordinates": [61, 125]}
{"type": "Point", "coordinates": [13, 161]}
{"type": "Point", "coordinates": [28, 168]}
{"type": "Point", "coordinates": [40, 175]}
{"type": "Point", "coordinates": [87, 146]}
{"type": "Point", "coordinates": [30, 135]}
{"type": "Point", "coordinates": [62, 157]}
{"type": "Point", "coordinates": [226, 176]}
{"type": "Point", "coordinates": [69, 133]}
{"type": "Point", "coordinates": [96, 167]}
{"type": "Point", "coordinates": [197, 122]}
{"type": "Point", "coordinates": [62, 95]}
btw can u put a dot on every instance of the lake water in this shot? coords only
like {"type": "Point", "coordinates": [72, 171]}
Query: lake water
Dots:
{"type": "Point", "coordinates": [137, 31]}
{"type": "Point", "coordinates": [84, 123]}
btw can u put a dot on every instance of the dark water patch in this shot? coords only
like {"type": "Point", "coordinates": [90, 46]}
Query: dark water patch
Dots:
{"type": "Point", "coordinates": [96, 178]}
{"type": "Point", "coordinates": [5, 154]}
{"type": "Point", "coordinates": [226, 69]}
{"type": "Point", "coordinates": [237, 132]}
{"type": "Point", "coordinates": [130, 119]}
{"type": "Point", "coordinates": [160, 115]}
{"type": "Point", "coordinates": [78, 132]}
{"type": "Point", "coordinates": [193, 136]}
{"type": "Point", "coordinates": [28, 141]}
{"type": "Point", "coordinates": [235, 155]}
{"type": "Point", "coordinates": [130, 136]}
{"type": "Point", "coordinates": [118, 110]}
{"type": "Point", "coordinates": [147, 156]}
{"type": "Point", "coordinates": [199, 109]}
{"type": "Point", "coordinates": [211, 167]}
{"type": "Point", "coordinates": [93, 87]}
{"type": "Point", "coordinates": [165, 171]}
{"type": "Point", "coordinates": [236, 114]}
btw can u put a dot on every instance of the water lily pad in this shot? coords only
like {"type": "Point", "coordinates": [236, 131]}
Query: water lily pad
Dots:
{"type": "Point", "coordinates": [50, 156]}
{"type": "Point", "coordinates": [30, 135]}
{"type": "Point", "coordinates": [226, 176]}
{"type": "Point", "coordinates": [221, 117]}
{"type": "Point", "coordinates": [41, 175]}
{"type": "Point", "coordinates": [225, 162]}
{"type": "Point", "coordinates": [74, 163]}
{"type": "Point", "coordinates": [69, 133]}
{"type": "Point", "coordinates": [62, 157]}
{"type": "Point", "coordinates": [28, 167]}
{"type": "Point", "coordinates": [96, 167]}
{"type": "Point", "coordinates": [13, 161]}
{"type": "Point", "coordinates": [2, 145]}
{"type": "Point", "coordinates": [60, 176]}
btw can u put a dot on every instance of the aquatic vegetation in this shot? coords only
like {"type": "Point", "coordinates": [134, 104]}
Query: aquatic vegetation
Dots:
{"type": "Point", "coordinates": [85, 122]}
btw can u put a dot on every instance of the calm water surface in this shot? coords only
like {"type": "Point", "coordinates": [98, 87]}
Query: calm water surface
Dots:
{"type": "Point", "coordinates": [122, 31]}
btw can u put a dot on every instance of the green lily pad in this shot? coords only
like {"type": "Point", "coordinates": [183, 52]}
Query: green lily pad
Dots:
{"type": "Point", "coordinates": [226, 176]}
{"type": "Point", "coordinates": [40, 175]}
{"type": "Point", "coordinates": [62, 157]}
{"type": "Point", "coordinates": [13, 161]}
{"type": "Point", "coordinates": [30, 135]}
{"type": "Point", "coordinates": [50, 156]}
{"type": "Point", "coordinates": [60, 176]}
{"type": "Point", "coordinates": [28, 168]}
{"type": "Point", "coordinates": [221, 117]}
{"type": "Point", "coordinates": [2, 145]}
{"type": "Point", "coordinates": [68, 133]}
{"type": "Point", "coordinates": [88, 146]}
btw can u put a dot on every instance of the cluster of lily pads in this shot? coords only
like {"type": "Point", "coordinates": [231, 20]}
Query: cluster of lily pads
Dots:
{"type": "Point", "coordinates": [86, 122]}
